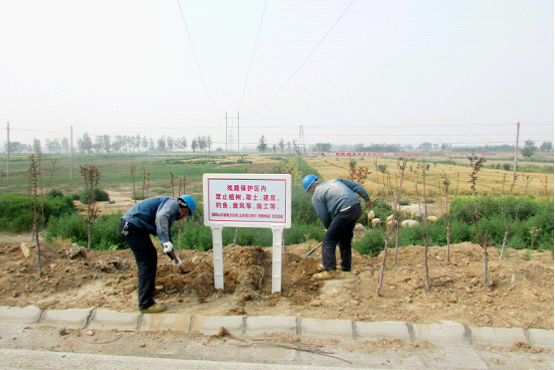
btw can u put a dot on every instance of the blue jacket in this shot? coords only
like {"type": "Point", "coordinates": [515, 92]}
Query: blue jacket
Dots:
{"type": "Point", "coordinates": [154, 215]}
{"type": "Point", "coordinates": [332, 196]}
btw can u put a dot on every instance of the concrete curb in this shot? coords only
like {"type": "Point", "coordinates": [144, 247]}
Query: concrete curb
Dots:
{"type": "Point", "coordinates": [445, 334]}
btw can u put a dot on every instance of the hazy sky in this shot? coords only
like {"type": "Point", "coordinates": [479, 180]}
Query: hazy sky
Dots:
{"type": "Point", "coordinates": [347, 72]}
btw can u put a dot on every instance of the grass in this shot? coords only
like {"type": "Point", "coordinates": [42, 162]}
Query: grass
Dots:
{"type": "Point", "coordinates": [115, 171]}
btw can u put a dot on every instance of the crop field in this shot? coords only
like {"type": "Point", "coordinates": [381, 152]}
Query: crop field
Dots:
{"type": "Point", "coordinates": [151, 175]}
{"type": "Point", "coordinates": [490, 182]}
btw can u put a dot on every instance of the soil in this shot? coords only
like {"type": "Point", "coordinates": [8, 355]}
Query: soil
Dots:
{"type": "Point", "coordinates": [519, 292]}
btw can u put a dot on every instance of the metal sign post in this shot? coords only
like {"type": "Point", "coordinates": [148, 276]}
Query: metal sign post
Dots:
{"type": "Point", "coordinates": [247, 200]}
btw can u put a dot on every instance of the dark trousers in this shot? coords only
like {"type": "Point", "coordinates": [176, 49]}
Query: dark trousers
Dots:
{"type": "Point", "coordinates": [340, 232]}
{"type": "Point", "coordinates": [146, 257]}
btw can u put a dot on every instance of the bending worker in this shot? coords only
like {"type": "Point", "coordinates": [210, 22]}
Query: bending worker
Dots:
{"type": "Point", "coordinates": [153, 216]}
{"type": "Point", "coordinates": [338, 207]}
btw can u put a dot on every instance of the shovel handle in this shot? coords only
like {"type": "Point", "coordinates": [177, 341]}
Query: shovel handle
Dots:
{"type": "Point", "coordinates": [311, 251]}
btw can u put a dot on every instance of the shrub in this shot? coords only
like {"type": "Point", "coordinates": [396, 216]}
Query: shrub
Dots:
{"type": "Point", "coordinates": [15, 214]}
{"type": "Point", "coordinates": [370, 244]}
{"type": "Point", "coordinates": [99, 196]}
{"type": "Point", "coordinates": [302, 211]}
{"type": "Point", "coordinates": [53, 193]}
{"type": "Point", "coordinates": [104, 235]}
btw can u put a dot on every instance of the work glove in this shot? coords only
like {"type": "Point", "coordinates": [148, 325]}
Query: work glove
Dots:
{"type": "Point", "coordinates": [168, 247]}
{"type": "Point", "coordinates": [177, 262]}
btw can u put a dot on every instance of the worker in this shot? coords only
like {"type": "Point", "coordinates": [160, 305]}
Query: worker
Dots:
{"type": "Point", "coordinates": [153, 216]}
{"type": "Point", "coordinates": [338, 207]}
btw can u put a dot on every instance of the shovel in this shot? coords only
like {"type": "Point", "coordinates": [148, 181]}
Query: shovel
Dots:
{"type": "Point", "coordinates": [311, 251]}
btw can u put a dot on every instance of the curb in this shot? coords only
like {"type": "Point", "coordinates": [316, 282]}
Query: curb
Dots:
{"type": "Point", "coordinates": [446, 333]}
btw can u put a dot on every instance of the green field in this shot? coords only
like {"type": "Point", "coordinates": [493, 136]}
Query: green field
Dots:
{"type": "Point", "coordinates": [151, 171]}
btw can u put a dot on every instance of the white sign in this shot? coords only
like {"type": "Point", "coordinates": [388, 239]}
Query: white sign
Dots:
{"type": "Point", "coordinates": [247, 200]}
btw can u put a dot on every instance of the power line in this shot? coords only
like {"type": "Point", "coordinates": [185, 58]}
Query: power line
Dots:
{"type": "Point", "coordinates": [252, 56]}
{"type": "Point", "coordinates": [194, 52]}
{"type": "Point", "coordinates": [304, 61]}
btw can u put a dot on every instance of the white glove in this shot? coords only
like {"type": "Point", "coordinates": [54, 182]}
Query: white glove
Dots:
{"type": "Point", "coordinates": [178, 262]}
{"type": "Point", "coordinates": [168, 247]}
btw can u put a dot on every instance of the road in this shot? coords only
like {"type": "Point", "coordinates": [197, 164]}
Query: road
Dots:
{"type": "Point", "coordinates": [60, 348]}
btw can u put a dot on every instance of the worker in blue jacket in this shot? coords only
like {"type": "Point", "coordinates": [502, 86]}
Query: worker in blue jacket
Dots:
{"type": "Point", "coordinates": [338, 207]}
{"type": "Point", "coordinates": [153, 216]}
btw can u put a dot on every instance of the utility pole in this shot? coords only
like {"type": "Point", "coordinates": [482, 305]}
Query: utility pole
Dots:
{"type": "Point", "coordinates": [8, 150]}
{"type": "Point", "coordinates": [301, 142]}
{"type": "Point", "coordinates": [237, 132]}
{"type": "Point", "coordinates": [226, 132]}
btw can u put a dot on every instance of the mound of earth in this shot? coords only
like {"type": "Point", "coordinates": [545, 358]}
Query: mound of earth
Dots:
{"type": "Point", "coordinates": [519, 292]}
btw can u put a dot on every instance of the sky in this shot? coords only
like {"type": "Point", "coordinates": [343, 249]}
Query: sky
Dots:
{"type": "Point", "coordinates": [342, 72]}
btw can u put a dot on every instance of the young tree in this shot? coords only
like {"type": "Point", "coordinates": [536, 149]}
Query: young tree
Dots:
{"type": "Point", "coordinates": [162, 143]}
{"type": "Point", "coordinates": [35, 187]}
{"type": "Point", "coordinates": [36, 147]}
{"type": "Point", "coordinates": [84, 144]}
{"type": "Point", "coordinates": [281, 145]}
{"type": "Point", "coordinates": [262, 146]}
{"type": "Point", "coordinates": [476, 164]}
{"type": "Point", "coordinates": [546, 147]}
{"type": "Point", "coordinates": [65, 145]}
{"type": "Point", "coordinates": [194, 145]}
{"type": "Point", "coordinates": [529, 149]}
{"type": "Point", "coordinates": [91, 175]}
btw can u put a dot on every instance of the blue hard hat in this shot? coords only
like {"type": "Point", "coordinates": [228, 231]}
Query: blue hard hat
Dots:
{"type": "Point", "coordinates": [309, 180]}
{"type": "Point", "coordinates": [188, 201]}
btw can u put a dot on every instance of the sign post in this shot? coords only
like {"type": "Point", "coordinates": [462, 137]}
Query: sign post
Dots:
{"type": "Point", "coordinates": [247, 200]}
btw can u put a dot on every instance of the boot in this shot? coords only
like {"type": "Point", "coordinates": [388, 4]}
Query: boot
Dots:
{"type": "Point", "coordinates": [155, 308]}
{"type": "Point", "coordinates": [324, 275]}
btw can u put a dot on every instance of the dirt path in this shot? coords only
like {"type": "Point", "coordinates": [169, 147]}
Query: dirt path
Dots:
{"type": "Point", "coordinates": [519, 294]}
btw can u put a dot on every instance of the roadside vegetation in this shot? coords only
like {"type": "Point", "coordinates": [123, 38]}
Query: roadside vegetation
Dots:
{"type": "Point", "coordinates": [529, 211]}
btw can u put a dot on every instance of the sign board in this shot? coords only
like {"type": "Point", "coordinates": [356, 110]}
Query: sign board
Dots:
{"type": "Point", "coordinates": [247, 200]}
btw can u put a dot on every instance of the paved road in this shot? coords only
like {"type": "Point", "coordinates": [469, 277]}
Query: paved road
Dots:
{"type": "Point", "coordinates": [60, 348]}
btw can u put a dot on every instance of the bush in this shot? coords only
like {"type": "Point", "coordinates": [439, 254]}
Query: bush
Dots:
{"type": "Point", "coordinates": [53, 193]}
{"type": "Point", "coordinates": [370, 244]}
{"type": "Point", "coordinates": [196, 236]}
{"type": "Point", "coordinates": [99, 196]}
{"type": "Point", "coordinates": [16, 216]}
{"type": "Point", "coordinates": [104, 235]}
{"type": "Point", "coordinates": [462, 208]}
{"type": "Point", "coordinates": [302, 211]}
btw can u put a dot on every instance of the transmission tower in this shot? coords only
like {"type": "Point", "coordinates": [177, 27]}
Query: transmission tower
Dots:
{"type": "Point", "coordinates": [301, 147]}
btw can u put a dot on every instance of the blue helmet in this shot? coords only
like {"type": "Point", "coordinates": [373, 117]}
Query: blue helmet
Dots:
{"type": "Point", "coordinates": [189, 201]}
{"type": "Point", "coordinates": [309, 180]}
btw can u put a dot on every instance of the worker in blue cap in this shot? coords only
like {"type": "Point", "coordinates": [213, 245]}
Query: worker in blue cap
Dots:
{"type": "Point", "coordinates": [338, 207]}
{"type": "Point", "coordinates": [153, 216]}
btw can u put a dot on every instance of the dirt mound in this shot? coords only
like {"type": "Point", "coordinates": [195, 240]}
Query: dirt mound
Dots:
{"type": "Point", "coordinates": [519, 291]}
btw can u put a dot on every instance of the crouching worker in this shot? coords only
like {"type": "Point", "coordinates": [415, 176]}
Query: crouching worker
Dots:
{"type": "Point", "coordinates": [338, 207]}
{"type": "Point", "coordinates": [153, 216]}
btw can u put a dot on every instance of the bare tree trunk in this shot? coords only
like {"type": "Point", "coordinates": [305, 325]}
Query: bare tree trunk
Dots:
{"type": "Point", "coordinates": [235, 238]}
{"type": "Point", "coordinates": [89, 242]}
{"type": "Point", "coordinates": [516, 151]}
{"type": "Point", "coordinates": [426, 234]}
{"type": "Point", "coordinates": [485, 260]}
{"type": "Point", "coordinates": [396, 242]}
{"type": "Point", "coordinates": [38, 252]}
{"type": "Point", "coordinates": [449, 241]}
{"type": "Point", "coordinates": [382, 269]}
{"type": "Point", "coordinates": [504, 242]}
